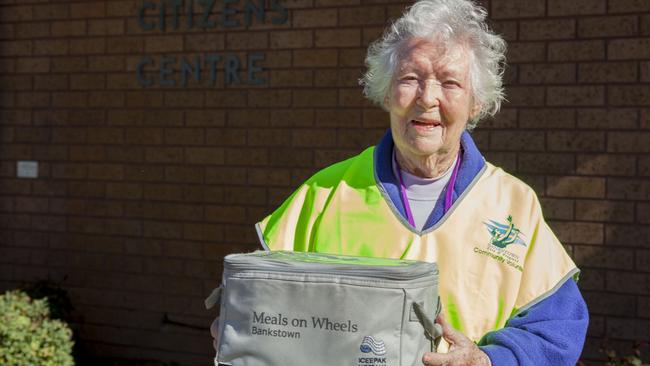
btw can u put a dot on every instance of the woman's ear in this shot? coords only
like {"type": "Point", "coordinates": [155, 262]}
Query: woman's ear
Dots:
{"type": "Point", "coordinates": [476, 109]}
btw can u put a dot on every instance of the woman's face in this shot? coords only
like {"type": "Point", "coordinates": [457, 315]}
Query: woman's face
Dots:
{"type": "Point", "coordinates": [430, 98]}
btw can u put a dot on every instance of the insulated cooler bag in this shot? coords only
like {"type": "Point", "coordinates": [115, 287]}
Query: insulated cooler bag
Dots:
{"type": "Point", "coordinates": [293, 308]}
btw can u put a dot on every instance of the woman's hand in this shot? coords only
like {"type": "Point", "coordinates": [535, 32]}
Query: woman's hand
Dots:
{"type": "Point", "coordinates": [462, 351]}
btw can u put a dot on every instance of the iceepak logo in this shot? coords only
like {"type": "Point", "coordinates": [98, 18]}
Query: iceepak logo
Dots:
{"type": "Point", "coordinates": [369, 344]}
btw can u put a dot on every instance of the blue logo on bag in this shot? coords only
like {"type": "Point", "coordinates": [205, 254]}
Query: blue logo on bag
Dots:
{"type": "Point", "coordinates": [369, 344]}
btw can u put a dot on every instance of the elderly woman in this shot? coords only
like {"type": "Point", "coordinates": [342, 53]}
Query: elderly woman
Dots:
{"type": "Point", "coordinates": [426, 193]}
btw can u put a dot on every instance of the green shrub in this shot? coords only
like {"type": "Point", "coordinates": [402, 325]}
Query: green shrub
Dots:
{"type": "Point", "coordinates": [28, 336]}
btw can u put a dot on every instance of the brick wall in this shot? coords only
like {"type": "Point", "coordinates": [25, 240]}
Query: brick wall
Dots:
{"type": "Point", "coordinates": [142, 191]}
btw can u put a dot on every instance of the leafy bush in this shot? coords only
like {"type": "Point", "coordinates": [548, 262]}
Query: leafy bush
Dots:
{"type": "Point", "coordinates": [28, 336]}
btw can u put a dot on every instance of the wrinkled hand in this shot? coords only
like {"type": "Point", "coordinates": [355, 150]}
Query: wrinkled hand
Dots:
{"type": "Point", "coordinates": [462, 351]}
{"type": "Point", "coordinates": [214, 330]}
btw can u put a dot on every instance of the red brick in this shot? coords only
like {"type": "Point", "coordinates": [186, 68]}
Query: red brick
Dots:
{"type": "Point", "coordinates": [247, 41]}
{"type": "Point", "coordinates": [547, 29]}
{"type": "Point", "coordinates": [516, 141]}
{"type": "Point", "coordinates": [23, 82]}
{"type": "Point", "coordinates": [225, 214]}
{"type": "Point", "coordinates": [269, 98]}
{"type": "Point", "coordinates": [527, 96]}
{"type": "Point", "coordinates": [204, 155]}
{"type": "Point", "coordinates": [69, 64]}
{"type": "Point", "coordinates": [267, 137]}
{"type": "Point", "coordinates": [506, 29]}
{"type": "Point", "coordinates": [32, 65]}
{"type": "Point", "coordinates": [18, 48]}
{"type": "Point", "coordinates": [106, 171]}
{"type": "Point", "coordinates": [328, 3]}
{"type": "Point", "coordinates": [275, 59]}
{"type": "Point", "coordinates": [627, 235]}
{"type": "Point", "coordinates": [54, 11]}
{"type": "Point", "coordinates": [7, 66]}
{"type": "Point", "coordinates": [576, 95]}
{"type": "Point", "coordinates": [314, 18]}
{"type": "Point", "coordinates": [583, 187]}
{"type": "Point", "coordinates": [315, 58]}
{"type": "Point", "coordinates": [576, 141]}
{"type": "Point", "coordinates": [352, 98]}
{"type": "Point", "coordinates": [556, 118]}
{"type": "Point", "coordinates": [607, 118]}
{"type": "Point", "coordinates": [87, 10]}
{"type": "Point", "coordinates": [105, 27]}
{"type": "Point", "coordinates": [164, 154]}
{"type": "Point", "coordinates": [576, 50]}
{"type": "Point", "coordinates": [315, 98]}
{"type": "Point", "coordinates": [546, 163]}
{"type": "Point", "coordinates": [628, 6]}
{"type": "Point", "coordinates": [606, 164]}
{"type": "Point", "coordinates": [313, 138]}
{"type": "Point", "coordinates": [184, 174]}
{"type": "Point", "coordinates": [53, 47]}
{"type": "Point", "coordinates": [31, 204]}
{"type": "Point", "coordinates": [184, 99]}
{"type": "Point", "coordinates": [206, 42]}
{"type": "Point", "coordinates": [354, 139]}
{"type": "Point", "coordinates": [32, 134]}
{"type": "Point", "coordinates": [105, 135]}
{"type": "Point", "coordinates": [633, 48]}
{"type": "Point", "coordinates": [290, 157]}
{"type": "Point", "coordinates": [121, 8]}
{"type": "Point", "coordinates": [547, 73]}
{"type": "Point", "coordinates": [68, 28]}
{"type": "Point", "coordinates": [32, 99]}
{"type": "Point", "coordinates": [125, 45]}
{"type": "Point", "coordinates": [162, 229]}
{"type": "Point", "coordinates": [32, 30]}
{"type": "Point", "coordinates": [628, 142]}
{"type": "Point", "coordinates": [610, 304]}
{"type": "Point", "coordinates": [124, 191]}
{"type": "Point", "coordinates": [628, 282]}
{"type": "Point", "coordinates": [352, 57]}
{"type": "Point", "coordinates": [144, 99]}
{"type": "Point", "coordinates": [599, 257]}
{"type": "Point", "coordinates": [628, 189]}
{"type": "Point", "coordinates": [87, 153]}
{"type": "Point", "coordinates": [581, 7]}
{"type": "Point", "coordinates": [610, 72]}
{"type": "Point", "coordinates": [247, 156]}
{"type": "Point", "coordinates": [644, 166]}
{"type": "Point", "coordinates": [604, 211]}
{"type": "Point", "coordinates": [628, 95]}
{"type": "Point", "coordinates": [291, 39]}
{"type": "Point", "coordinates": [87, 81]}
{"type": "Point", "coordinates": [292, 117]}
{"type": "Point", "coordinates": [291, 78]}
{"type": "Point", "coordinates": [517, 9]}
{"type": "Point", "coordinates": [337, 38]}
{"type": "Point", "coordinates": [362, 16]}
{"type": "Point", "coordinates": [16, 13]}
{"type": "Point", "coordinates": [233, 99]}
{"type": "Point", "coordinates": [558, 209]}
{"type": "Point", "coordinates": [609, 26]}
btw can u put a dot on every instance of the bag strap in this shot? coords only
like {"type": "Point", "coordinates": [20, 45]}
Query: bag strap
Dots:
{"type": "Point", "coordinates": [432, 329]}
{"type": "Point", "coordinates": [214, 298]}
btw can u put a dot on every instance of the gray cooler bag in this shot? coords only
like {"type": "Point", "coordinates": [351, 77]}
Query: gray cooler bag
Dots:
{"type": "Point", "coordinates": [291, 308]}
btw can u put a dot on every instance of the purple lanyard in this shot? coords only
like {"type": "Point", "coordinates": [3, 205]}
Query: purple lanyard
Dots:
{"type": "Point", "coordinates": [448, 193]}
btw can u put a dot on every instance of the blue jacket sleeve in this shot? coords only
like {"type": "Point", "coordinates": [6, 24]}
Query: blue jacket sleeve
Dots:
{"type": "Point", "coordinates": [552, 332]}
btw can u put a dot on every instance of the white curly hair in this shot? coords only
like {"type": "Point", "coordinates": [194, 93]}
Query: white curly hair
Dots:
{"type": "Point", "coordinates": [449, 21]}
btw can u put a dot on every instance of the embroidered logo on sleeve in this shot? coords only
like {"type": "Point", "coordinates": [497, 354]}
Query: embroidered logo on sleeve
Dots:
{"type": "Point", "coordinates": [501, 236]}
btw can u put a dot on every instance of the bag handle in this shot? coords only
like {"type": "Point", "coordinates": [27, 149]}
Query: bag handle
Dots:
{"type": "Point", "coordinates": [432, 329]}
{"type": "Point", "coordinates": [214, 298]}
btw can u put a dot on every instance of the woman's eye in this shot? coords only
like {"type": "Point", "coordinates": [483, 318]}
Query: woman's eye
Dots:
{"type": "Point", "coordinates": [451, 84]}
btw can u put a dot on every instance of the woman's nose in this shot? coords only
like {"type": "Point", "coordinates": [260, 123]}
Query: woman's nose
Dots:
{"type": "Point", "coordinates": [429, 94]}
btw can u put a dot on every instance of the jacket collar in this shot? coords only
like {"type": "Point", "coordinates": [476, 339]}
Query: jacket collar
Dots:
{"type": "Point", "coordinates": [472, 163]}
